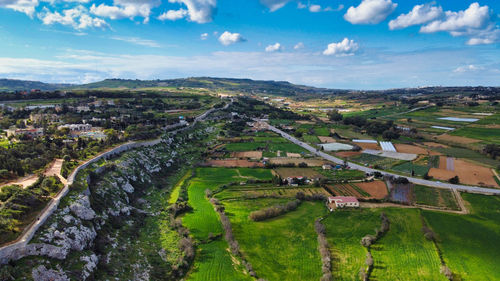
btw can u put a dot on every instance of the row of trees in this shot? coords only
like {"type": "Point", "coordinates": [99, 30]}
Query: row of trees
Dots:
{"type": "Point", "coordinates": [324, 251]}
{"type": "Point", "coordinates": [368, 240]}
{"type": "Point", "coordinates": [274, 211]}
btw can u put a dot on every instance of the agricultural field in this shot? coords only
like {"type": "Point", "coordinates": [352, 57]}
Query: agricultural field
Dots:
{"type": "Point", "coordinates": [213, 262]}
{"type": "Point", "coordinates": [407, 167]}
{"type": "Point", "coordinates": [282, 248]}
{"type": "Point", "coordinates": [429, 196]}
{"type": "Point", "coordinates": [347, 189]}
{"type": "Point", "coordinates": [344, 230]}
{"type": "Point", "coordinates": [470, 242]}
{"type": "Point", "coordinates": [490, 135]}
{"type": "Point", "coordinates": [403, 253]}
{"type": "Point", "coordinates": [297, 172]}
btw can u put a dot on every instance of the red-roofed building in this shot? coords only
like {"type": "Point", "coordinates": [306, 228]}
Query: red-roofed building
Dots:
{"type": "Point", "coordinates": [342, 202]}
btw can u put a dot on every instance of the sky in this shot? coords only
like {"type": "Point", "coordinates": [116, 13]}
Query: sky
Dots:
{"type": "Point", "coordinates": [345, 44]}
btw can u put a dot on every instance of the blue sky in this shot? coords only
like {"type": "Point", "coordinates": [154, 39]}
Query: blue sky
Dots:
{"type": "Point", "coordinates": [352, 44]}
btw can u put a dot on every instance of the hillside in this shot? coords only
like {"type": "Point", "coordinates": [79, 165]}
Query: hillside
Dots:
{"type": "Point", "coordinates": [12, 85]}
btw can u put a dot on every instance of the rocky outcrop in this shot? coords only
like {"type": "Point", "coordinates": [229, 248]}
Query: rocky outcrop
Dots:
{"type": "Point", "coordinates": [41, 273]}
{"type": "Point", "coordinates": [81, 208]}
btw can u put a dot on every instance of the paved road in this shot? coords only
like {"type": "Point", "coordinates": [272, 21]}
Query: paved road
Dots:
{"type": "Point", "coordinates": [464, 188]}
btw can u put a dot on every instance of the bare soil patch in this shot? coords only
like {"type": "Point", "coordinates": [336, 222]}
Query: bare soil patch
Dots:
{"type": "Point", "coordinates": [293, 155]}
{"type": "Point", "coordinates": [435, 144]}
{"type": "Point", "coordinates": [442, 162]}
{"type": "Point", "coordinates": [377, 189]}
{"type": "Point", "coordinates": [363, 145]}
{"type": "Point", "coordinates": [248, 154]}
{"type": "Point", "coordinates": [408, 148]}
{"type": "Point", "coordinates": [326, 139]}
{"type": "Point", "coordinates": [467, 172]}
{"type": "Point", "coordinates": [347, 153]}
{"type": "Point", "coordinates": [456, 139]}
{"type": "Point", "coordinates": [233, 163]}
{"type": "Point", "coordinates": [304, 122]}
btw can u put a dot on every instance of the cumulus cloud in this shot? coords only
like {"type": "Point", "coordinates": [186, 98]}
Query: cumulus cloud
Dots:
{"type": "Point", "coordinates": [474, 22]}
{"type": "Point", "coordinates": [204, 36]}
{"type": "Point", "coordinates": [200, 11]}
{"type": "Point", "coordinates": [315, 8]}
{"type": "Point", "coordinates": [274, 48]}
{"type": "Point", "coordinates": [227, 38]}
{"type": "Point", "coordinates": [299, 46]}
{"type": "Point", "coordinates": [420, 14]}
{"type": "Point", "coordinates": [24, 6]}
{"type": "Point", "coordinates": [77, 17]}
{"type": "Point", "coordinates": [274, 5]}
{"type": "Point", "coordinates": [345, 47]}
{"type": "Point", "coordinates": [125, 9]}
{"type": "Point", "coordinates": [173, 15]}
{"type": "Point", "coordinates": [370, 11]}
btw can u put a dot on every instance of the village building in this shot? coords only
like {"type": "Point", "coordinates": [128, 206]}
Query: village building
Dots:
{"type": "Point", "coordinates": [31, 132]}
{"type": "Point", "coordinates": [76, 128]}
{"type": "Point", "coordinates": [342, 202]}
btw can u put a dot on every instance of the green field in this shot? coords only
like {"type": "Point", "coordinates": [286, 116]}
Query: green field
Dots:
{"type": "Point", "coordinates": [493, 119]}
{"type": "Point", "coordinates": [372, 160]}
{"type": "Point", "coordinates": [283, 248]}
{"type": "Point", "coordinates": [177, 188]}
{"type": "Point", "coordinates": [344, 230]}
{"type": "Point", "coordinates": [407, 167]}
{"type": "Point", "coordinates": [470, 243]}
{"type": "Point", "coordinates": [425, 195]}
{"type": "Point", "coordinates": [403, 253]}
{"type": "Point", "coordinates": [213, 261]}
{"type": "Point", "coordinates": [485, 134]}
{"type": "Point", "coordinates": [310, 139]}
{"type": "Point", "coordinates": [468, 154]}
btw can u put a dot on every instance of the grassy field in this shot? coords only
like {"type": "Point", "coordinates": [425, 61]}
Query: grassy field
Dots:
{"type": "Point", "coordinates": [485, 134]}
{"type": "Point", "coordinates": [493, 119]}
{"type": "Point", "coordinates": [403, 253]}
{"type": "Point", "coordinates": [372, 160]}
{"type": "Point", "coordinates": [470, 244]}
{"type": "Point", "coordinates": [407, 167]}
{"type": "Point", "coordinates": [177, 188]}
{"type": "Point", "coordinates": [283, 248]}
{"type": "Point", "coordinates": [213, 261]}
{"type": "Point", "coordinates": [310, 139]}
{"type": "Point", "coordinates": [425, 195]}
{"type": "Point", "coordinates": [344, 230]}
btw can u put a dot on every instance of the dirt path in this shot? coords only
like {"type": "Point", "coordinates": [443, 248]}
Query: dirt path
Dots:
{"type": "Point", "coordinates": [393, 205]}
{"type": "Point", "coordinates": [53, 170]}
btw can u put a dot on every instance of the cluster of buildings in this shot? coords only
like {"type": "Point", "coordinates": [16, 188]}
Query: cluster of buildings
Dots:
{"type": "Point", "coordinates": [336, 202]}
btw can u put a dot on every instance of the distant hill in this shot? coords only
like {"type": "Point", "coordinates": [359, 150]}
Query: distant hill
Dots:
{"type": "Point", "coordinates": [249, 86]}
{"type": "Point", "coordinates": [12, 85]}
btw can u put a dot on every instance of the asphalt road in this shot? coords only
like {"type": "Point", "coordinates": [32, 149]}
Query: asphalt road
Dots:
{"type": "Point", "coordinates": [459, 187]}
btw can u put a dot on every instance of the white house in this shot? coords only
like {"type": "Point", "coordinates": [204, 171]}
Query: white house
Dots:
{"type": "Point", "coordinates": [342, 202]}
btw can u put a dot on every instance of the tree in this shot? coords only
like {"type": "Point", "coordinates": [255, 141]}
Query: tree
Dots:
{"type": "Point", "coordinates": [334, 115]}
{"type": "Point", "coordinates": [454, 180]}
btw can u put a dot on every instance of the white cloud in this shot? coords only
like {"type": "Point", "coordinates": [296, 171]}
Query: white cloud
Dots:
{"type": "Point", "coordinates": [77, 17]}
{"type": "Point", "coordinates": [200, 11]}
{"type": "Point", "coordinates": [345, 47]}
{"type": "Point", "coordinates": [24, 6]}
{"type": "Point", "coordinates": [314, 8]}
{"type": "Point", "coordinates": [420, 14]}
{"type": "Point", "coordinates": [173, 15]}
{"type": "Point", "coordinates": [474, 22]}
{"type": "Point", "coordinates": [227, 38]}
{"type": "Point", "coordinates": [204, 36]}
{"type": "Point", "coordinates": [274, 5]}
{"type": "Point", "coordinates": [138, 41]}
{"type": "Point", "coordinates": [299, 46]}
{"type": "Point", "coordinates": [125, 9]}
{"type": "Point", "coordinates": [274, 48]}
{"type": "Point", "coordinates": [370, 11]}
{"type": "Point", "coordinates": [467, 68]}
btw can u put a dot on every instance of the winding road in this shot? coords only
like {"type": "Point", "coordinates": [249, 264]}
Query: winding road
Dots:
{"type": "Point", "coordinates": [437, 184]}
